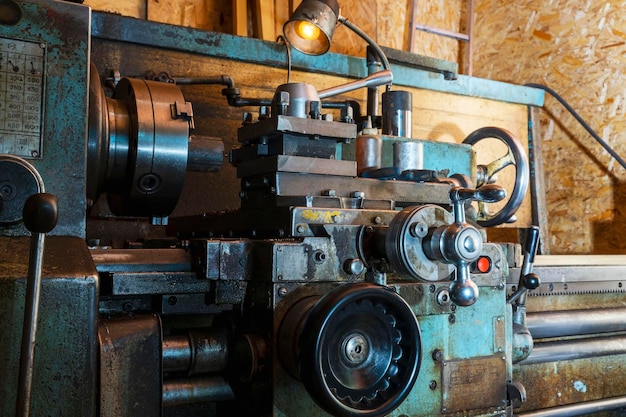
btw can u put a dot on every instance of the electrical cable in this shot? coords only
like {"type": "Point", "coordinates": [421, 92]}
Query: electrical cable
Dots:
{"type": "Point", "coordinates": [580, 120]}
{"type": "Point", "coordinates": [282, 39]}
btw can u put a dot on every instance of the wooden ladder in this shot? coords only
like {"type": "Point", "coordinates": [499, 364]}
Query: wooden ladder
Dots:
{"type": "Point", "coordinates": [459, 36]}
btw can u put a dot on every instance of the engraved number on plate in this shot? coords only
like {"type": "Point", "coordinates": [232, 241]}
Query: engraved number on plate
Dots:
{"type": "Point", "coordinates": [21, 97]}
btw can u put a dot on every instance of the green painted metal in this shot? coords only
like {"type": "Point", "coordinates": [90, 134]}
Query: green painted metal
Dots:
{"type": "Point", "coordinates": [65, 364]}
{"type": "Point", "coordinates": [63, 29]}
{"type": "Point", "coordinates": [438, 156]}
{"type": "Point", "coordinates": [474, 334]}
{"type": "Point", "coordinates": [221, 45]}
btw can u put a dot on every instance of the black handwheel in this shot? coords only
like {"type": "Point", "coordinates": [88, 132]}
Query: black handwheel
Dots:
{"type": "Point", "coordinates": [360, 350]}
{"type": "Point", "coordinates": [516, 155]}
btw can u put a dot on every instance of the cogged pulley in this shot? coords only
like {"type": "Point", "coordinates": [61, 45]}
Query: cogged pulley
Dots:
{"type": "Point", "coordinates": [357, 349]}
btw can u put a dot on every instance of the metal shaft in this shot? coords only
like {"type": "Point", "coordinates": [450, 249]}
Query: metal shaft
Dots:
{"type": "Point", "coordinates": [576, 322]}
{"type": "Point", "coordinates": [29, 332]}
{"type": "Point", "coordinates": [578, 409]}
{"type": "Point", "coordinates": [40, 215]}
{"type": "Point", "coordinates": [196, 390]}
{"type": "Point", "coordinates": [376, 79]}
{"type": "Point", "coordinates": [195, 352]}
{"type": "Point", "coordinates": [576, 349]}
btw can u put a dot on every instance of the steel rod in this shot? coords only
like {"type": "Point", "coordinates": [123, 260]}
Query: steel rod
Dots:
{"type": "Point", "coordinates": [29, 332]}
{"type": "Point", "coordinates": [576, 349]}
{"type": "Point", "coordinates": [578, 409]}
{"type": "Point", "coordinates": [195, 391]}
{"type": "Point", "coordinates": [576, 322]}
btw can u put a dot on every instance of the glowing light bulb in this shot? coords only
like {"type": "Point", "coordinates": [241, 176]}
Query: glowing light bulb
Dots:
{"type": "Point", "coordinates": [307, 31]}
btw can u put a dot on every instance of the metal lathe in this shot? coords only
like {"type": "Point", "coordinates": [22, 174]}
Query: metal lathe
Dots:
{"type": "Point", "coordinates": [355, 278]}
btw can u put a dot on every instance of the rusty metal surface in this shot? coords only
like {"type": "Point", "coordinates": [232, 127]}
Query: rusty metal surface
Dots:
{"type": "Point", "coordinates": [291, 163]}
{"type": "Point", "coordinates": [317, 128]}
{"type": "Point", "coordinates": [63, 28]}
{"type": "Point", "coordinates": [66, 352]}
{"type": "Point", "coordinates": [566, 382]}
{"type": "Point", "coordinates": [130, 366]}
{"type": "Point", "coordinates": [141, 260]}
{"type": "Point", "coordinates": [472, 384]}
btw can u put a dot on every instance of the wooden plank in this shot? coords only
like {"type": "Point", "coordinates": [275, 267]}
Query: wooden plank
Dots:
{"type": "Point", "coordinates": [240, 17]}
{"type": "Point", "coordinates": [283, 9]}
{"type": "Point", "coordinates": [293, 5]}
{"type": "Point", "coordinates": [264, 12]}
{"type": "Point", "coordinates": [212, 15]}
{"type": "Point", "coordinates": [130, 8]}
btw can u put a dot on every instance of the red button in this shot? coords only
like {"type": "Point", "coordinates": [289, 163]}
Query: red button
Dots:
{"type": "Point", "coordinates": [483, 264]}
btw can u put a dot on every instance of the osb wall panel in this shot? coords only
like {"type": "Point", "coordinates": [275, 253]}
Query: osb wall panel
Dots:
{"type": "Point", "coordinates": [578, 49]}
{"type": "Point", "coordinates": [442, 14]}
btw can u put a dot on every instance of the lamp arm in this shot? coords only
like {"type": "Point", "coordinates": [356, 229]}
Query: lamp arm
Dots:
{"type": "Point", "coordinates": [354, 28]}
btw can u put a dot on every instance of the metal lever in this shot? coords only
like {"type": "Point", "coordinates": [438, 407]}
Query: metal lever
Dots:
{"type": "Point", "coordinates": [40, 216]}
{"type": "Point", "coordinates": [522, 341]}
{"type": "Point", "coordinates": [374, 80]}
{"type": "Point", "coordinates": [461, 243]}
{"type": "Point", "coordinates": [527, 280]}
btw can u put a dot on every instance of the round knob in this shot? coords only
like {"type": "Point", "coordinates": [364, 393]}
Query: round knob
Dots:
{"type": "Point", "coordinates": [531, 281]}
{"type": "Point", "coordinates": [40, 213]}
{"type": "Point", "coordinates": [464, 293]}
{"type": "Point", "coordinates": [490, 193]}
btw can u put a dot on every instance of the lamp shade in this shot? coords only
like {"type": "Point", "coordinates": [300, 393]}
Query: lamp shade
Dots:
{"type": "Point", "coordinates": [311, 26]}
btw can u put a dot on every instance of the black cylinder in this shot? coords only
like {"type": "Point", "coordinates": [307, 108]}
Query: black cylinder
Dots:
{"type": "Point", "coordinates": [397, 111]}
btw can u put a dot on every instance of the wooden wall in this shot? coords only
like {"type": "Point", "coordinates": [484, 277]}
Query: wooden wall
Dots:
{"type": "Point", "coordinates": [386, 21]}
{"type": "Point", "coordinates": [578, 49]}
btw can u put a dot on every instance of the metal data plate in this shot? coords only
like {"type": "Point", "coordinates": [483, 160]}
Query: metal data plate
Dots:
{"type": "Point", "coordinates": [473, 384]}
{"type": "Point", "coordinates": [22, 69]}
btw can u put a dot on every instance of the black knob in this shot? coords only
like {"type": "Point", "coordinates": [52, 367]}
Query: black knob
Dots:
{"type": "Point", "coordinates": [40, 213]}
{"type": "Point", "coordinates": [490, 193]}
{"type": "Point", "coordinates": [531, 281]}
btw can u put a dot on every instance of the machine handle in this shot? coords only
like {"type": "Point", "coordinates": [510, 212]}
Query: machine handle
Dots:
{"type": "Point", "coordinates": [40, 215]}
{"type": "Point", "coordinates": [527, 280]}
{"type": "Point", "coordinates": [460, 243]}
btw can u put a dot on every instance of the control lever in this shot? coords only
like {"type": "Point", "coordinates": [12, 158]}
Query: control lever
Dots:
{"type": "Point", "coordinates": [527, 280]}
{"type": "Point", "coordinates": [522, 341]}
{"type": "Point", "coordinates": [460, 243]}
{"type": "Point", "coordinates": [40, 216]}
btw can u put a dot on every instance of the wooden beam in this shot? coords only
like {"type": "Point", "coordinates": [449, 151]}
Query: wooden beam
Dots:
{"type": "Point", "coordinates": [264, 17]}
{"type": "Point", "coordinates": [240, 17]}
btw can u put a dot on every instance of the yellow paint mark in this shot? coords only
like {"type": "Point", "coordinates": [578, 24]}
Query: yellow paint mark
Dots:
{"type": "Point", "coordinates": [324, 216]}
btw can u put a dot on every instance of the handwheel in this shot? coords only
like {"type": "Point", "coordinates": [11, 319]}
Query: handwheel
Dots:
{"type": "Point", "coordinates": [360, 350]}
{"type": "Point", "coordinates": [516, 155]}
